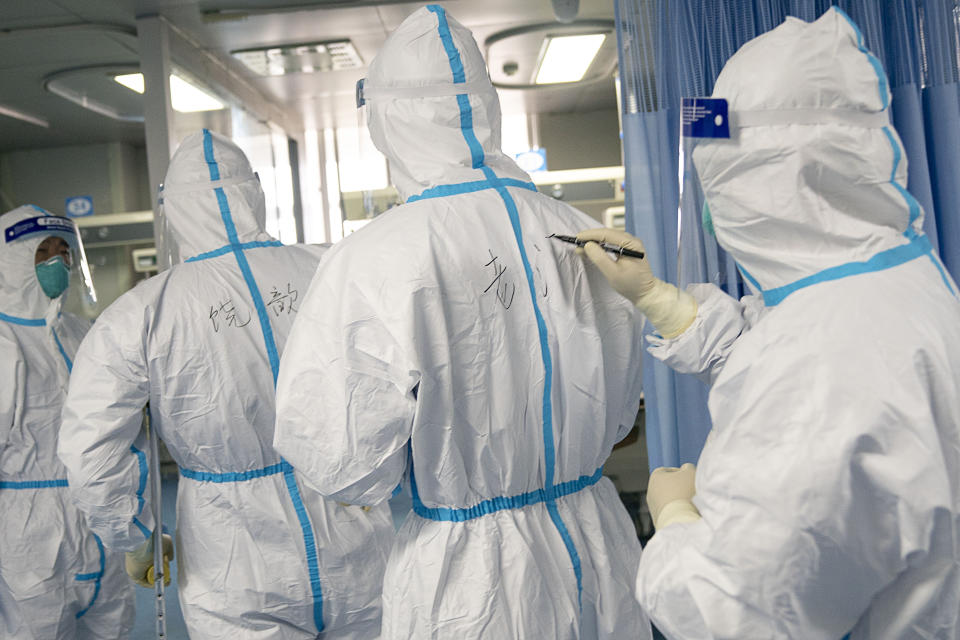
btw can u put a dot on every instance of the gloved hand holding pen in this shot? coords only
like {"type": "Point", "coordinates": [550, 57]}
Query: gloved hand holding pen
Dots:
{"type": "Point", "coordinates": [669, 309]}
{"type": "Point", "coordinates": [139, 562]}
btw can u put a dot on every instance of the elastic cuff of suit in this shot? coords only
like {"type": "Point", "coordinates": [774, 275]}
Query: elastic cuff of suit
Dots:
{"type": "Point", "coordinates": [678, 511]}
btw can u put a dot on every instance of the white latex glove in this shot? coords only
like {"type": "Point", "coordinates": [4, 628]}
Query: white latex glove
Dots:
{"type": "Point", "coordinates": [669, 309]}
{"type": "Point", "coordinates": [139, 562]}
{"type": "Point", "coordinates": [670, 493]}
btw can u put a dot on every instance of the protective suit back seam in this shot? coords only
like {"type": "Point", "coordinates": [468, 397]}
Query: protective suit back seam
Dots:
{"type": "Point", "coordinates": [872, 59]}
{"type": "Point", "coordinates": [306, 527]}
{"type": "Point", "coordinates": [477, 158]}
{"type": "Point", "coordinates": [232, 476]}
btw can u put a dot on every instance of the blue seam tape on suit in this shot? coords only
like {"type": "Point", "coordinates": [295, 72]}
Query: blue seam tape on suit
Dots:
{"type": "Point", "coordinates": [229, 249]}
{"type": "Point", "coordinates": [27, 322]}
{"type": "Point", "coordinates": [232, 476]}
{"type": "Point", "coordinates": [95, 576]}
{"type": "Point", "coordinates": [502, 503]}
{"type": "Point", "coordinates": [19, 485]}
{"type": "Point", "coordinates": [443, 190]}
{"type": "Point", "coordinates": [141, 487]}
{"type": "Point", "coordinates": [310, 547]}
{"type": "Point", "coordinates": [477, 160]}
{"type": "Point", "coordinates": [63, 352]}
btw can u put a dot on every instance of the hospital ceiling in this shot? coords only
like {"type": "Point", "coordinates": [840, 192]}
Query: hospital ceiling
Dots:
{"type": "Point", "coordinates": [41, 38]}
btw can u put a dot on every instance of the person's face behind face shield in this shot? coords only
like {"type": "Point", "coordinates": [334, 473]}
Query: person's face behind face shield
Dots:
{"type": "Point", "coordinates": [52, 262]}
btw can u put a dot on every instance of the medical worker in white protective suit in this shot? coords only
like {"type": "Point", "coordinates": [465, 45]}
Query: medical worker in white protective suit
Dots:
{"type": "Point", "coordinates": [828, 493]}
{"type": "Point", "coordinates": [260, 554]}
{"type": "Point", "coordinates": [450, 344]}
{"type": "Point", "coordinates": [57, 582]}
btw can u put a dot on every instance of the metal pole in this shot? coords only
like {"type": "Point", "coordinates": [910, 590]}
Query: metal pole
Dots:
{"type": "Point", "coordinates": [156, 499]}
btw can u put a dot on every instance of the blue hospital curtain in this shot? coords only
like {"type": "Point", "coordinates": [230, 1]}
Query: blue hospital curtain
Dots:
{"type": "Point", "coordinates": [674, 48]}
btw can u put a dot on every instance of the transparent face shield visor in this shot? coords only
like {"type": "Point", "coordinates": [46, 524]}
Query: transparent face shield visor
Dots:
{"type": "Point", "coordinates": [709, 121]}
{"type": "Point", "coordinates": [699, 257]}
{"type": "Point", "coordinates": [168, 250]}
{"type": "Point", "coordinates": [39, 230]}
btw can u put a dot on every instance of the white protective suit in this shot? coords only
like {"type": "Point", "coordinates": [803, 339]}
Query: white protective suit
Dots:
{"type": "Point", "coordinates": [260, 555]}
{"type": "Point", "coordinates": [56, 580]}
{"type": "Point", "coordinates": [422, 347]}
{"type": "Point", "coordinates": [829, 487]}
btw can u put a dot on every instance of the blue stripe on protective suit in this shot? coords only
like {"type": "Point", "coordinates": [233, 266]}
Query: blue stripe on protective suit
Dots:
{"type": "Point", "coordinates": [33, 484]}
{"type": "Point", "coordinates": [27, 322]}
{"type": "Point", "coordinates": [477, 156]}
{"type": "Point", "coordinates": [232, 476]}
{"type": "Point", "coordinates": [503, 503]}
{"type": "Point", "coordinates": [63, 352]}
{"type": "Point", "coordinates": [40, 322]}
{"type": "Point", "coordinates": [229, 249]}
{"type": "Point", "coordinates": [874, 62]}
{"type": "Point", "coordinates": [141, 487]}
{"type": "Point", "coordinates": [310, 547]}
{"type": "Point", "coordinates": [96, 576]}
{"type": "Point", "coordinates": [444, 190]}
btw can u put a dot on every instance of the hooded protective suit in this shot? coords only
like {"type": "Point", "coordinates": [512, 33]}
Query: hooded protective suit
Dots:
{"type": "Point", "coordinates": [56, 579]}
{"type": "Point", "coordinates": [260, 555]}
{"type": "Point", "coordinates": [476, 359]}
{"type": "Point", "coordinates": [829, 487]}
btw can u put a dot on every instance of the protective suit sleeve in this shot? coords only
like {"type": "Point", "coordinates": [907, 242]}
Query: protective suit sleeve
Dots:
{"type": "Point", "coordinates": [101, 441]}
{"type": "Point", "coordinates": [345, 398]}
{"type": "Point", "coordinates": [801, 470]}
{"type": "Point", "coordinates": [11, 386]}
{"type": "Point", "coordinates": [702, 349]}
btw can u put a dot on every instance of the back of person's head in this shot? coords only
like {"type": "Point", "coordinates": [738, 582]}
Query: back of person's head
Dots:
{"type": "Point", "coordinates": [211, 196]}
{"type": "Point", "coordinates": [806, 180]}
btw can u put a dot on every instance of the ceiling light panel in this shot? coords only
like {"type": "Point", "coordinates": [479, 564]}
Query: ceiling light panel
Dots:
{"type": "Point", "coordinates": [567, 58]}
{"type": "Point", "coordinates": [184, 96]}
{"type": "Point", "coordinates": [309, 57]}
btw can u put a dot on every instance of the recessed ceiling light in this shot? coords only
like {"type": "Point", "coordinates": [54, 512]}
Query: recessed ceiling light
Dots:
{"type": "Point", "coordinates": [133, 81]}
{"type": "Point", "coordinates": [308, 57]}
{"type": "Point", "coordinates": [184, 96]}
{"type": "Point", "coordinates": [567, 58]}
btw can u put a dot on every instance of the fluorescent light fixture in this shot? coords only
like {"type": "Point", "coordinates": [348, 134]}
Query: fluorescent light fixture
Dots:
{"type": "Point", "coordinates": [132, 81]}
{"type": "Point", "coordinates": [306, 57]}
{"type": "Point", "coordinates": [24, 116]}
{"type": "Point", "coordinates": [185, 97]}
{"type": "Point", "coordinates": [567, 58]}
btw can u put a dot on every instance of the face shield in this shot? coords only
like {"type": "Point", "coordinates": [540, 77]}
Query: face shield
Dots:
{"type": "Point", "coordinates": [699, 257]}
{"type": "Point", "coordinates": [59, 257]}
{"type": "Point", "coordinates": [168, 250]}
{"type": "Point", "coordinates": [709, 121]}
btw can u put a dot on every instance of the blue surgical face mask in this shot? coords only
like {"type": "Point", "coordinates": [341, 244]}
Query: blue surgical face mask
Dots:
{"type": "Point", "coordinates": [54, 276]}
{"type": "Point", "coordinates": [707, 221]}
